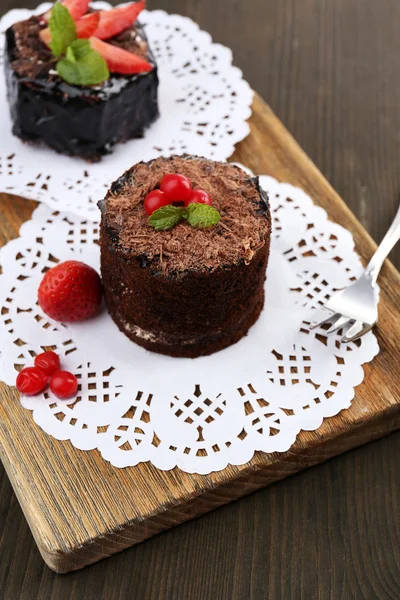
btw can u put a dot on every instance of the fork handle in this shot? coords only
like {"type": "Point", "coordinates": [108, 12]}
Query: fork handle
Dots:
{"type": "Point", "coordinates": [390, 239]}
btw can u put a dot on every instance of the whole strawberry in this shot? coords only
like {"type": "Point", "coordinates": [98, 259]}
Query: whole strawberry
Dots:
{"type": "Point", "coordinates": [71, 291]}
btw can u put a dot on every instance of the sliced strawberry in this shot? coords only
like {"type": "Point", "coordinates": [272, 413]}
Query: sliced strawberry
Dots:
{"type": "Point", "coordinates": [119, 60]}
{"type": "Point", "coordinates": [77, 9]}
{"type": "Point", "coordinates": [45, 36]}
{"type": "Point", "coordinates": [112, 22]}
{"type": "Point", "coordinates": [86, 26]}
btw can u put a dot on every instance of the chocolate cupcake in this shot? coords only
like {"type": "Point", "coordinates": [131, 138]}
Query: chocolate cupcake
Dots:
{"type": "Point", "coordinates": [75, 118]}
{"type": "Point", "coordinates": [185, 291]}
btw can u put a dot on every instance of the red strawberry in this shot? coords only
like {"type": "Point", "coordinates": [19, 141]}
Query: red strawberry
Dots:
{"type": "Point", "coordinates": [71, 291]}
{"type": "Point", "coordinates": [119, 60]}
{"type": "Point", "coordinates": [45, 36]}
{"type": "Point", "coordinates": [86, 26]}
{"type": "Point", "coordinates": [112, 22]}
{"type": "Point", "coordinates": [77, 9]}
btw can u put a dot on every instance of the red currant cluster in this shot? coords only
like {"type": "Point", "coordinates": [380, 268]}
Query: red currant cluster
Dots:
{"type": "Point", "coordinates": [33, 380]}
{"type": "Point", "coordinates": [175, 188]}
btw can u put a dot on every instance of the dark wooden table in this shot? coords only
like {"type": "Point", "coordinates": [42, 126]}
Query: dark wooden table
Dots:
{"type": "Point", "coordinates": [330, 69]}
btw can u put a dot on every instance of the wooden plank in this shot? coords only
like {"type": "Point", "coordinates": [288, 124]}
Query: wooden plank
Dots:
{"type": "Point", "coordinates": [81, 509]}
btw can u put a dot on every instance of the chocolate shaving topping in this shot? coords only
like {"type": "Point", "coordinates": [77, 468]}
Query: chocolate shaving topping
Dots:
{"type": "Point", "coordinates": [244, 227]}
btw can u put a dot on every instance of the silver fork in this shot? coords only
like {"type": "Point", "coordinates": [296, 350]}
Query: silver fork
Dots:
{"type": "Point", "coordinates": [355, 309]}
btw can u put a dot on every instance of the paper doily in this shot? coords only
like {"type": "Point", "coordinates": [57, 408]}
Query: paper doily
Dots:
{"type": "Point", "coordinates": [204, 105]}
{"type": "Point", "coordinates": [197, 414]}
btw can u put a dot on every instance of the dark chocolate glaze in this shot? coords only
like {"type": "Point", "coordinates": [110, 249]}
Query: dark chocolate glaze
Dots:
{"type": "Point", "coordinates": [188, 314]}
{"type": "Point", "coordinates": [80, 121]}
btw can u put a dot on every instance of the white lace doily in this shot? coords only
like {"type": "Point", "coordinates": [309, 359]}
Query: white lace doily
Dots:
{"type": "Point", "coordinates": [204, 105]}
{"type": "Point", "coordinates": [201, 414]}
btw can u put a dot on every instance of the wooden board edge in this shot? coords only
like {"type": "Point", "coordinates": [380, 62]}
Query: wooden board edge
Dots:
{"type": "Point", "coordinates": [255, 479]}
{"type": "Point", "coordinates": [257, 475]}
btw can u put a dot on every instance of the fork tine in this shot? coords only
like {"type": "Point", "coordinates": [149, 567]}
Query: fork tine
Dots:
{"type": "Point", "coordinates": [341, 322]}
{"type": "Point", "coordinates": [355, 332]}
{"type": "Point", "coordinates": [333, 317]}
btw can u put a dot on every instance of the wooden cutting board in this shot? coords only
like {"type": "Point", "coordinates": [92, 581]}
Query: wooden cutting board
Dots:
{"type": "Point", "coordinates": [81, 509]}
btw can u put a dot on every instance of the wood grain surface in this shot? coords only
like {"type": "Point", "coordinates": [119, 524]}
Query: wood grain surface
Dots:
{"type": "Point", "coordinates": [332, 532]}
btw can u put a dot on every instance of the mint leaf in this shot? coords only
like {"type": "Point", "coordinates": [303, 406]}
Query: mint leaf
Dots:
{"type": "Point", "coordinates": [62, 29]}
{"type": "Point", "coordinates": [70, 54]}
{"type": "Point", "coordinates": [79, 49]}
{"type": "Point", "coordinates": [166, 217]}
{"type": "Point", "coordinates": [82, 65]}
{"type": "Point", "coordinates": [201, 216]}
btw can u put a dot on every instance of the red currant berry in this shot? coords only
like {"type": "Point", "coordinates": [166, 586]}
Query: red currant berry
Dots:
{"type": "Point", "coordinates": [63, 384]}
{"type": "Point", "coordinates": [199, 196]}
{"type": "Point", "coordinates": [48, 362]}
{"type": "Point", "coordinates": [155, 200]}
{"type": "Point", "coordinates": [176, 187]}
{"type": "Point", "coordinates": [31, 381]}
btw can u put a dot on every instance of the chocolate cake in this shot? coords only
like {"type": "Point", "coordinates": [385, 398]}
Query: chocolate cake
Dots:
{"type": "Point", "coordinates": [71, 119]}
{"type": "Point", "coordinates": [185, 292]}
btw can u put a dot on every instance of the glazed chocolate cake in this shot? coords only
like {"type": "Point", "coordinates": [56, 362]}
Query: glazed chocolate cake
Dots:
{"type": "Point", "coordinates": [185, 292]}
{"type": "Point", "coordinates": [85, 121]}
